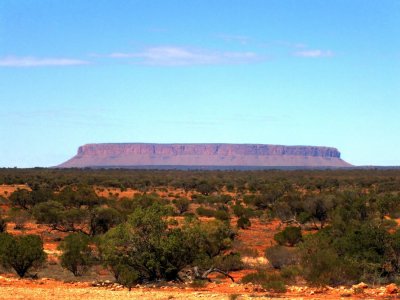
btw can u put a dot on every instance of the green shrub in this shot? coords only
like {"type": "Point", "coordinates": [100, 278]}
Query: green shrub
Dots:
{"type": "Point", "coordinates": [281, 256]}
{"type": "Point", "coordinates": [290, 236]}
{"type": "Point", "coordinates": [77, 256]}
{"type": "Point", "coordinates": [145, 244]}
{"type": "Point", "coordinates": [103, 219]}
{"type": "Point", "coordinates": [205, 212]}
{"type": "Point", "coordinates": [21, 198]}
{"type": "Point", "coordinates": [127, 276]}
{"type": "Point", "coordinates": [230, 262]}
{"type": "Point", "coordinates": [221, 215]}
{"type": "Point", "coordinates": [289, 273]}
{"type": "Point", "coordinates": [21, 253]}
{"type": "Point", "coordinates": [243, 222]}
{"type": "Point", "coordinates": [273, 282]}
{"type": "Point", "coordinates": [182, 205]}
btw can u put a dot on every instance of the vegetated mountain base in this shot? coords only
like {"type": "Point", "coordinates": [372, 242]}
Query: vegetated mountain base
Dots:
{"type": "Point", "coordinates": [166, 234]}
{"type": "Point", "coordinates": [204, 156]}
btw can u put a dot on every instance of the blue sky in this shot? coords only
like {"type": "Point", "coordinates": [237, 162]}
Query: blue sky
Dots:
{"type": "Point", "coordinates": [300, 72]}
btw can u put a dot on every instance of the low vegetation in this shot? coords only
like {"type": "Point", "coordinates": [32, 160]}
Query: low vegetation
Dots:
{"type": "Point", "coordinates": [336, 227]}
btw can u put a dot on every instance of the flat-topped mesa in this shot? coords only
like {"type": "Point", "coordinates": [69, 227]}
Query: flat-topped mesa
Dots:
{"type": "Point", "coordinates": [212, 155]}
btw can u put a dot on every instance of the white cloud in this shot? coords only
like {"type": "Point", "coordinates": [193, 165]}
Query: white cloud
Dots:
{"type": "Point", "coordinates": [13, 61]}
{"type": "Point", "coordinates": [314, 53]}
{"type": "Point", "coordinates": [182, 56]}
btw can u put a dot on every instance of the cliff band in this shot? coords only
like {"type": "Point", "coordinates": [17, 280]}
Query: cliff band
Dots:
{"type": "Point", "coordinates": [229, 155]}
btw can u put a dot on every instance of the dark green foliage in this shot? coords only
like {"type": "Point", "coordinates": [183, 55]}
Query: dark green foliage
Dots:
{"type": "Point", "coordinates": [55, 215]}
{"type": "Point", "coordinates": [243, 222]}
{"type": "Point", "coordinates": [41, 193]}
{"type": "Point", "coordinates": [290, 236]}
{"type": "Point", "coordinates": [77, 255]}
{"type": "Point", "coordinates": [147, 246]}
{"type": "Point", "coordinates": [19, 216]}
{"type": "Point", "coordinates": [21, 198]}
{"type": "Point", "coordinates": [363, 252]}
{"type": "Point", "coordinates": [181, 204]}
{"type": "Point", "coordinates": [81, 195]}
{"type": "Point", "coordinates": [222, 215]}
{"type": "Point", "coordinates": [21, 252]}
{"type": "Point", "coordinates": [321, 264]}
{"type": "Point", "coordinates": [126, 275]}
{"type": "Point", "coordinates": [205, 212]}
{"type": "Point", "coordinates": [103, 219]}
{"type": "Point", "coordinates": [230, 262]}
{"type": "Point", "coordinates": [281, 256]}
{"type": "Point", "coordinates": [205, 188]}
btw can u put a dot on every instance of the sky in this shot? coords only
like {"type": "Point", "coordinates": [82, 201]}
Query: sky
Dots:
{"type": "Point", "coordinates": [290, 72]}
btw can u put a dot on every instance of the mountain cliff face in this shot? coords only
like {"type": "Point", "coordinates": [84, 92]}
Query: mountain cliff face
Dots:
{"type": "Point", "coordinates": [213, 155]}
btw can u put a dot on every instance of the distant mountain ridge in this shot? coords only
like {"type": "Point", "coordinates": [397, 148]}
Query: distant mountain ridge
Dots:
{"type": "Point", "coordinates": [115, 155]}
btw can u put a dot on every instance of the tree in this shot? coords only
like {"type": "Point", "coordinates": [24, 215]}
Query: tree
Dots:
{"type": "Point", "coordinates": [103, 219]}
{"type": "Point", "coordinates": [243, 222]}
{"type": "Point", "coordinates": [21, 252]}
{"type": "Point", "coordinates": [21, 198]}
{"type": "Point", "coordinates": [81, 195]}
{"type": "Point", "coordinates": [290, 236]}
{"type": "Point", "coordinates": [150, 250]}
{"type": "Point", "coordinates": [77, 255]}
{"type": "Point", "coordinates": [55, 215]}
{"type": "Point", "coordinates": [146, 245]}
{"type": "Point", "coordinates": [182, 205]}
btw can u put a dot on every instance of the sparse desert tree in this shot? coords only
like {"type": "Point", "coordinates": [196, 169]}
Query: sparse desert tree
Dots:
{"type": "Point", "coordinates": [21, 253]}
{"type": "Point", "coordinates": [77, 255]}
{"type": "Point", "coordinates": [103, 219]}
{"type": "Point", "coordinates": [243, 222]}
{"type": "Point", "coordinates": [182, 205]}
{"type": "Point", "coordinates": [55, 215]}
{"type": "Point", "coordinates": [21, 198]}
{"type": "Point", "coordinates": [290, 236]}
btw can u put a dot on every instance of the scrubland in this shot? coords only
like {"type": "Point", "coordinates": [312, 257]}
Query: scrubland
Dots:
{"type": "Point", "coordinates": [199, 234]}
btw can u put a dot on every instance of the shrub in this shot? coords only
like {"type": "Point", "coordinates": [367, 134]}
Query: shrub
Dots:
{"type": "Point", "coordinates": [289, 273]}
{"type": "Point", "coordinates": [222, 215]}
{"type": "Point", "coordinates": [230, 262]}
{"type": "Point", "coordinates": [21, 252]}
{"type": "Point", "coordinates": [243, 223]}
{"type": "Point", "coordinates": [181, 204]}
{"type": "Point", "coordinates": [21, 198]}
{"type": "Point", "coordinates": [321, 264]}
{"type": "Point", "coordinates": [290, 236]}
{"type": "Point", "coordinates": [147, 245]}
{"type": "Point", "coordinates": [77, 255]}
{"type": "Point", "coordinates": [280, 256]}
{"type": "Point", "coordinates": [273, 282]}
{"type": "Point", "coordinates": [127, 276]}
{"type": "Point", "coordinates": [205, 212]}
{"type": "Point", "coordinates": [102, 219]}
{"type": "Point", "coordinates": [19, 217]}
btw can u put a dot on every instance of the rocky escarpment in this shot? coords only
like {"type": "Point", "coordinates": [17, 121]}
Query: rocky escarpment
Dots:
{"type": "Point", "coordinates": [204, 155]}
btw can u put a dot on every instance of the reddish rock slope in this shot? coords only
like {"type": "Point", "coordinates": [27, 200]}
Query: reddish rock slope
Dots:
{"type": "Point", "coordinates": [213, 155]}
